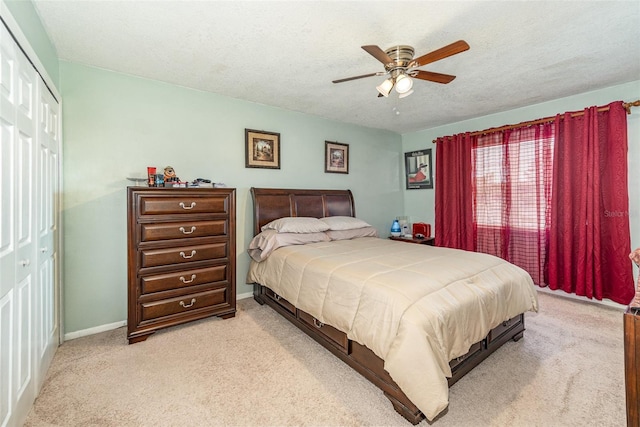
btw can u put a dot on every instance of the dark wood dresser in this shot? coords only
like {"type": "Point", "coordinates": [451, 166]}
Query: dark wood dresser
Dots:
{"type": "Point", "coordinates": [632, 366]}
{"type": "Point", "coordinates": [181, 257]}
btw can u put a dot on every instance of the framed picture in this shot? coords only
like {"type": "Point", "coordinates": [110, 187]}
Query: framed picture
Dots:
{"type": "Point", "coordinates": [262, 149]}
{"type": "Point", "coordinates": [336, 157]}
{"type": "Point", "coordinates": [418, 169]}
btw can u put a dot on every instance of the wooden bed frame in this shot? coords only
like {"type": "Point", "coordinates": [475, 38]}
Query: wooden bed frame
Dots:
{"type": "Point", "coordinates": [270, 204]}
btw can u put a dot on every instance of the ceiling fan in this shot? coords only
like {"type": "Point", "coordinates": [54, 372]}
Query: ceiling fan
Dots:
{"type": "Point", "coordinates": [401, 67]}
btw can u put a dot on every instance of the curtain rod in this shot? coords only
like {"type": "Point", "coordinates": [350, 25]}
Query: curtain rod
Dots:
{"type": "Point", "coordinates": [627, 106]}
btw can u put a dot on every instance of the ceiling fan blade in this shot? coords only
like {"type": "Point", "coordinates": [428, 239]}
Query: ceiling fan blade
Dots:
{"type": "Point", "coordinates": [355, 77]}
{"type": "Point", "coordinates": [432, 77]}
{"type": "Point", "coordinates": [443, 52]}
{"type": "Point", "coordinates": [378, 53]}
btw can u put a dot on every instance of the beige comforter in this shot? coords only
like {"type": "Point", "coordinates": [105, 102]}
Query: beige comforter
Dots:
{"type": "Point", "coordinates": [415, 306]}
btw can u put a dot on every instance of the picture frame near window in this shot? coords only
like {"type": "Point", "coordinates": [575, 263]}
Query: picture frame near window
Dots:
{"type": "Point", "coordinates": [336, 157]}
{"type": "Point", "coordinates": [262, 149]}
{"type": "Point", "coordinates": [418, 169]}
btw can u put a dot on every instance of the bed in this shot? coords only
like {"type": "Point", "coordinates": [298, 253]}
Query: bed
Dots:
{"type": "Point", "coordinates": [412, 319]}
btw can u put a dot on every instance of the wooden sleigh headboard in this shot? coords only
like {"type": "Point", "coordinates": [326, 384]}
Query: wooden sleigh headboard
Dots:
{"type": "Point", "coordinates": [274, 203]}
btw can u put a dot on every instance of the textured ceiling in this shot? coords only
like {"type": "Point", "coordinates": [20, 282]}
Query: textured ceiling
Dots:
{"type": "Point", "coordinates": [286, 54]}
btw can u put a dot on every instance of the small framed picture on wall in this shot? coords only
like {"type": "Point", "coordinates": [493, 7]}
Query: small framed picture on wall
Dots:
{"type": "Point", "coordinates": [419, 173]}
{"type": "Point", "coordinates": [262, 149]}
{"type": "Point", "coordinates": [336, 157]}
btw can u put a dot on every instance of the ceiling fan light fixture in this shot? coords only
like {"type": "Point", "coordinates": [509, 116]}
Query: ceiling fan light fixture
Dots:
{"type": "Point", "coordinates": [404, 83]}
{"type": "Point", "coordinates": [404, 95]}
{"type": "Point", "coordinates": [385, 87]}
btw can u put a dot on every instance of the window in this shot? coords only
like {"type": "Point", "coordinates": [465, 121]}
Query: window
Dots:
{"type": "Point", "coordinates": [511, 178]}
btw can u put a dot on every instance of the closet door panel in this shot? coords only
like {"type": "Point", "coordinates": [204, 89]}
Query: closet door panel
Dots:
{"type": "Point", "coordinates": [26, 241]}
{"type": "Point", "coordinates": [25, 326]}
{"type": "Point", "coordinates": [7, 225]}
{"type": "Point", "coordinates": [7, 163]}
{"type": "Point", "coordinates": [7, 208]}
{"type": "Point", "coordinates": [6, 357]}
{"type": "Point", "coordinates": [47, 191]}
{"type": "Point", "coordinates": [25, 167]}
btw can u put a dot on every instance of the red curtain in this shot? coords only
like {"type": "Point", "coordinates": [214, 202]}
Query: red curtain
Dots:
{"type": "Point", "coordinates": [454, 196]}
{"type": "Point", "coordinates": [589, 237]}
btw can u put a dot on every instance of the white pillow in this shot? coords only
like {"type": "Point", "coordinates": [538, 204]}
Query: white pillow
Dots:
{"type": "Point", "coordinates": [344, 222]}
{"type": "Point", "coordinates": [352, 234]}
{"type": "Point", "coordinates": [296, 224]}
{"type": "Point", "coordinates": [265, 243]}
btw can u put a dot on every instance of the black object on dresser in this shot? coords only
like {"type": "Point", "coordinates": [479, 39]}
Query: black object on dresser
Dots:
{"type": "Point", "coordinates": [181, 257]}
{"type": "Point", "coordinates": [431, 241]}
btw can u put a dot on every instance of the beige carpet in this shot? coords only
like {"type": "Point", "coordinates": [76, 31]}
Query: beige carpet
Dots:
{"type": "Point", "coordinates": [259, 370]}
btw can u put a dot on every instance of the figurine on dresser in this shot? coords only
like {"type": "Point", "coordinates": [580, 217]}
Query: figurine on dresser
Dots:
{"type": "Point", "coordinates": [635, 303]}
{"type": "Point", "coordinates": [170, 175]}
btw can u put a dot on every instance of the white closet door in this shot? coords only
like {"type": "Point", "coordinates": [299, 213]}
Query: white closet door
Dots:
{"type": "Point", "coordinates": [8, 246]}
{"type": "Point", "coordinates": [47, 298]}
{"type": "Point", "coordinates": [28, 156]}
{"type": "Point", "coordinates": [26, 239]}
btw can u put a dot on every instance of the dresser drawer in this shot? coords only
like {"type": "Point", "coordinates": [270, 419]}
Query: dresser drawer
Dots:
{"type": "Point", "coordinates": [166, 307]}
{"type": "Point", "coordinates": [183, 204]}
{"type": "Point", "coordinates": [181, 230]}
{"type": "Point", "coordinates": [337, 337]}
{"type": "Point", "coordinates": [183, 279]}
{"type": "Point", "coordinates": [504, 327]}
{"type": "Point", "coordinates": [183, 254]}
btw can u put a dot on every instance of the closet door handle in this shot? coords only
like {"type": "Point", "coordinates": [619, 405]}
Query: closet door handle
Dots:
{"type": "Point", "coordinates": [25, 262]}
{"type": "Point", "coordinates": [193, 228]}
{"type": "Point", "coordinates": [185, 256]}
{"type": "Point", "coordinates": [193, 205]}
{"type": "Point", "coordinates": [193, 301]}
{"type": "Point", "coordinates": [183, 280]}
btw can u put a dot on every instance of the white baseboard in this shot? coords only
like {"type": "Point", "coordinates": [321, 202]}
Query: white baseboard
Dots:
{"type": "Point", "coordinates": [95, 330]}
{"type": "Point", "coordinates": [116, 325]}
{"type": "Point", "coordinates": [244, 296]}
{"type": "Point", "coordinates": [563, 294]}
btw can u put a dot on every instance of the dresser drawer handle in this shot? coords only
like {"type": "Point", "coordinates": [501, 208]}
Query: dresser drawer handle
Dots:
{"type": "Point", "coordinates": [193, 228]}
{"type": "Point", "coordinates": [183, 255]}
{"type": "Point", "coordinates": [193, 301]}
{"type": "Point", "coordinates": [183, 280]}
{"type": "Point", "coordinates": [276, 296]}
{"type": "Point", "coordinates": [193, 205]}
{"type": "Point", "coordinates": [318, 324]}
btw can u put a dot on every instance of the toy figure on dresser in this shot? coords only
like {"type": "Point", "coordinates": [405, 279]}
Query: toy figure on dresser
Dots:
{"type": "Point", "coordinates": [635, 303]}
{"type": "Point", "coordinates": [170, 175]}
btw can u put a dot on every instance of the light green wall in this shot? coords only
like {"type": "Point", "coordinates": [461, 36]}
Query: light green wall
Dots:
{"type": "Point", "coordinates": [116, 125]}
{"type": "Point", "coordinates": [419, 204]}
{"type": "Point", "coordinates": [28, 19]}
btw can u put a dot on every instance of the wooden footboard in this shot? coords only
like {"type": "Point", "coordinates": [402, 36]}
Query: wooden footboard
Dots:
{"type": "Point", "coordinates": [371, 366]}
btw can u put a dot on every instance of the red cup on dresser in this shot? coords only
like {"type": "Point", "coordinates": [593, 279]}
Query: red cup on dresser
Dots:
{"type": "Point", "coordinates": [151, 176]}
{"type": "Point", "coordinates": [421, 230]}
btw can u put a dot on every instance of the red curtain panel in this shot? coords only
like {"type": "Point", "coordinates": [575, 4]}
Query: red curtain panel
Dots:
{"type": "Point", "coordinates": [454, 226]}
{"type": "Point", "coordinates": [589, 238]}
